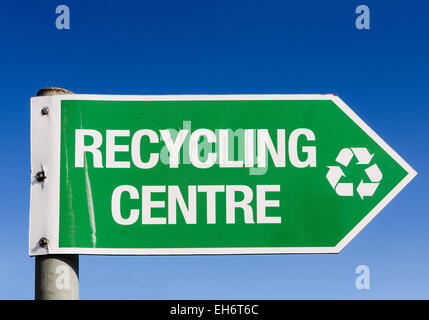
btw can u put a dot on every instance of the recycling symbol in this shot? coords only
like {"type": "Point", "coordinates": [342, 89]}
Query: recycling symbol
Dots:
{"type": "Point", "coordinates": [346, 189]}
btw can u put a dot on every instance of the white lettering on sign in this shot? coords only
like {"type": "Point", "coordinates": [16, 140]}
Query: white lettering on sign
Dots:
{"type": "Point", "coordinates": [234, 208]}
{"type": "Point", "coordinates": [116, 205]}
{"type": "Point", "coordinates": [310, 151]}
{"type": "Point", "coordinates": [243, 204]}
{"type": "Point", "coordinates": [135, 149]}
{"type": "Point", "coordinates": [211, 201]}
{"type": "Point", "coordinates": [194, 150]}
{"type": "Point", "coordinates": [112, 148]}
{"type": "Point", "coordinates": [119, 144]}
{"type": "Point", "coordinates": [81, 147]}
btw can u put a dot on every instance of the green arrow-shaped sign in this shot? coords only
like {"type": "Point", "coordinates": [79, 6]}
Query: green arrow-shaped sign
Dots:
{"type": "Point", "coordinates": [205, 174]}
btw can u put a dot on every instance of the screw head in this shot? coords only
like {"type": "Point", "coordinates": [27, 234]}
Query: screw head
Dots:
{"type": "Point", "coordinates": [40, 176]}
{"type": "Point", "coordinates": [43, 242]}
{"type": "Point", "coordinates": [44, 111]}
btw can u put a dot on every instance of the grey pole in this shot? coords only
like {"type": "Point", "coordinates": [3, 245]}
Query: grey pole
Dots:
{"type": "Point", "coordinates": [56, 276]}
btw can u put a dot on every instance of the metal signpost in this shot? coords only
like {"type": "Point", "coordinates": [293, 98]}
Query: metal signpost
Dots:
{"type": "Point", "coordinates": [56, 275]}
{"type": "Point", "coordinates": [204, 174]}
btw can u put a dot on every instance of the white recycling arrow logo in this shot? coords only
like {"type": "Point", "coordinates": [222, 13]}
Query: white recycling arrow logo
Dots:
{"type": "Point", "coordinates": [346, 189]}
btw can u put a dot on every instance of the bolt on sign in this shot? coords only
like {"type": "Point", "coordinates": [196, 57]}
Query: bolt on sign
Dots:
{"type": "Point", "coordinates": [204, 174]}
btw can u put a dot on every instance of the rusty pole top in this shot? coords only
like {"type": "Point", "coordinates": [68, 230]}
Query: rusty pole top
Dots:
{"type": "Point", "coordinates": [50, 91]}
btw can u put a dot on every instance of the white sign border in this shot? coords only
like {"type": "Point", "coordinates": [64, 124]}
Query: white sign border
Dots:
{"type": "Point", "coordinates": [45, 150]}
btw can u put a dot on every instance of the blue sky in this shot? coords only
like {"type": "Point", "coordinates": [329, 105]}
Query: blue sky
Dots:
{"type": "Point", "coordinates": [215, 47]}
